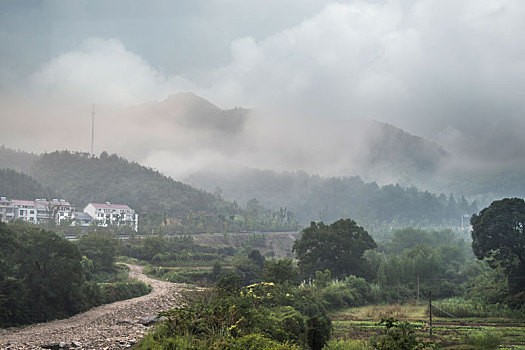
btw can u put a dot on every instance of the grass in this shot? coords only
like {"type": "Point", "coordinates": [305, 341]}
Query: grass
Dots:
{"type": "Point", "coordinates": [359, 324]}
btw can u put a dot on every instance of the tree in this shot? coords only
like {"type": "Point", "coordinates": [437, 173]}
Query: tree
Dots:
{"type": "Point", "coordinates": [101, 249]}
{"type": "Point", "coordinates": [279, 271]}
{"type": "Point", "coordinates": [338, 247]}
{"type": "Point", "coordinates": [498, 236]}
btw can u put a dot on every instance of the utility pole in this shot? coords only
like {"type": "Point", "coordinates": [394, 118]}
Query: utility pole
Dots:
{"type": "Point", "coordinates": [92, 127]}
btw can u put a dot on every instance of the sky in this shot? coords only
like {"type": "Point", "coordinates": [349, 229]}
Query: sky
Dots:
{"type": "Point", "coordinates": [452, 71]}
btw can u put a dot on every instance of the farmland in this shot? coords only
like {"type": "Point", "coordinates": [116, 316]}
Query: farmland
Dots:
{"type": "Point", "coordinates": [363, 323]}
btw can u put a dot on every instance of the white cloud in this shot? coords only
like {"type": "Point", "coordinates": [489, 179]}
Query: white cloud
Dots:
{"type": "Point", "coordinates": [106, 72]}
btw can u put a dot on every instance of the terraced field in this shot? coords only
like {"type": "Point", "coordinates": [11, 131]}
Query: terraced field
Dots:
{"type": "Point", "coordinates": [363, 323]}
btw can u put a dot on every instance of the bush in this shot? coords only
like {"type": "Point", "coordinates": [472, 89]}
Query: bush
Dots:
{"type": "Point", "coordinates": [319, 330]}
{"type": "Point", "coordinates": [347, 344]}
{"type": "Point", "coordinates": [257, 342]}
{"type": "Point", "coordinates": [484, 341]}
{"type": "Point", "coordinates": [399, 336]}
{"type": "Point", "coordinates": [112, 292]}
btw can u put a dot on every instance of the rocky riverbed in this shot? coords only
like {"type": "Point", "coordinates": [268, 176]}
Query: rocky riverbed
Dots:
{"type": "Point", "coordinates": [113, 326]}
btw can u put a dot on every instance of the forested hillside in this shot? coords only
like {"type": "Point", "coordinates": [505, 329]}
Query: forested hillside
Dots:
{"type": "Point", "coordinates": [16, 160]}
{"type": "Point", "coordinates": [326, 199]}
{"type": "Point", "coordinates": [83, 179]}
{"type": "Point", "coordinates": [21, 186]}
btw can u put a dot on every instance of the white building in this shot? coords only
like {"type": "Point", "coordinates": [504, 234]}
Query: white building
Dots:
{"type": "Point", "coordinates": [25, 210]}
{"type": "Point", "coordinates": [35, 212]}
{"type": "Point", "coordinates": [106, 214]}
{"type": "Point", "coordinates": [7, 210]}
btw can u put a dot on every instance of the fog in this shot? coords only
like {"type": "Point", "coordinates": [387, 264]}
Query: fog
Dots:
{"type": "Point", "coordinates": [309, 73]}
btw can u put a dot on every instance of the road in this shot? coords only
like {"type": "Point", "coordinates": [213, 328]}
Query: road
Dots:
{"type": "Point", "coordinates": [112, 326]}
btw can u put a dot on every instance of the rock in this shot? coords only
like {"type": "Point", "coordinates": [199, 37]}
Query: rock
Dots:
{"type": "Point", "coordinates": [63, 345]}
{"type": "Point", "coordinates": [76, 344]}
{"type": "Point", "coordinates": [51, 346]}
{"type": "Point", "coordinates": [148, 320]}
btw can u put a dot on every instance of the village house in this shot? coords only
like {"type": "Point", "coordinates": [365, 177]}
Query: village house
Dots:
{"type": "Point", "coordinates": [41, 210]}
{"type": "Point", "coordinates": [107, 214]}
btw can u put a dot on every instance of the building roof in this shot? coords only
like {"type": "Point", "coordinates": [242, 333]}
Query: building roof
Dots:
{"type": "Point", "coordinates": [22, 202]}
{"type": "Point", "coordinates": [79, 215]}
{"type": "Point", "coordinates": [108, 205]}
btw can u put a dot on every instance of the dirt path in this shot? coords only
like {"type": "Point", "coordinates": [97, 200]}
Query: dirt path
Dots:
{"type": "Point", "coordinates": [112, 326]}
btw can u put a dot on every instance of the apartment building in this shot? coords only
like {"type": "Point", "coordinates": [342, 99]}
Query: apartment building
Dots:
{"type": "Point", "coordinates": [107, 214]}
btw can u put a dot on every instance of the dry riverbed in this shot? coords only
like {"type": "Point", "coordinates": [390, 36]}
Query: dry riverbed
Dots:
{"type": "Point", "coordinates": [113, 326]}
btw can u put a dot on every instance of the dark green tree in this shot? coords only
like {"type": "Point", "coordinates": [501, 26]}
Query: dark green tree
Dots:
{"type": "Point", "coordinates": [101, 249]}
{"type": "Point", "coordinates": [498, 236]}
{"type": "Point", "coordinates": [338, 247]}
{"type": "Point", "coordinates": [279, 271]}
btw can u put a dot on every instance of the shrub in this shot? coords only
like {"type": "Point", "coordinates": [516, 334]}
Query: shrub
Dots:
{"type": "Point", "coordinates": [318, 332]}
{"type": "Point", "coordinates": [399, 336]}
{"type": "Point", "coordinates": [347, 344]}
{"type": "Point", "coordinates": [484, 341]}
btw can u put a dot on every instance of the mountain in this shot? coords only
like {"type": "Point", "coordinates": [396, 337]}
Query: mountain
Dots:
{"type": "Point", "coordinates": [16, 159]}
{"type": "Point", "coordinates": [393, 155]}
{"type": "Point", "coordinates": [81, 179]}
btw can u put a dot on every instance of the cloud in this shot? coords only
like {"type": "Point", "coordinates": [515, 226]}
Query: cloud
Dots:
{"type": "Point", "coordinates": [450, 70]}
{"type": "Point", "coordinates": [103, 70]}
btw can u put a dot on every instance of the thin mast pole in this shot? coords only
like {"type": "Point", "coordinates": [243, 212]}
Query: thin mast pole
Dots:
{"type": "Point", "coordinates": [92, 127]}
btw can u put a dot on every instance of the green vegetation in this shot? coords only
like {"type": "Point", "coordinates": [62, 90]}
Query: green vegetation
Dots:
{"type": "Point", "coordinates": [43, 276]}
{"type": "Point", "coordinates": [311, 197]}
{"type": "Point", "coordinates": [338, 247]}
{"type": "Point", "coordinates": [363, 326]}
{"type": "Point", "coordinates": [164, 205]}
{"type": "Point", "coordinates": [21, 186]}
{"type": "Point", "coordinates": [403, 269]}
{"type": "Point", "coordinates": [498, 237]}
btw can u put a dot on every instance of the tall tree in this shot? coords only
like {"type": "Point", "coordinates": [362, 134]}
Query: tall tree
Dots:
{"type": "Point", "coordinates": [498, 236]}
{"type": "Point", "coordinates": [338, 247]}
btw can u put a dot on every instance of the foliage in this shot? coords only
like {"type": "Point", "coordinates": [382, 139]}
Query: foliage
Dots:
{"type": "Point", "coordinates": [462, 308]}
{"type": "Point", "coordinates": [484, 341]}
{"type": "Point", "coordinates": [338, 247]}
{"type": "Point", "coordinates": [328, 199]}
{"type": "Point", "coordinates": [399, 336]}
{"type": "Point", "coordinates": [499, 238]}
{"type": "Point", "coordinates": [250, 317]}
{"type": "Point", "coordinates": [279, 271]}
{"type": "Point", "coordinates": [319, 330]}
{"type": "Point", "coordinates": [100, 249]}
{"type": "Point", "coordinates": [346, 344]}
{"type": "Point", "coordinates": [22, 186]}
{"type": "Point", "coordinates": [42, 277]}
{"type": "Point", "coordinates": [162, 203]}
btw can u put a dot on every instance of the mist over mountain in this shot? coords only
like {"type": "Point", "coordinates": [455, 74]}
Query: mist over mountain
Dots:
{"type": "Point", "coordinates": [190, 134]}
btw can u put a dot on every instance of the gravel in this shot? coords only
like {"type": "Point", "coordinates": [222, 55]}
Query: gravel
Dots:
{"type": "Point", "coordinates": [112, 326]}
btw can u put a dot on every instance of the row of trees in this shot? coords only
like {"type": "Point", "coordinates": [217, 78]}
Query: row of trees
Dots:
{"type": "Point", "coordinates": [328, 199]}
{"type": "Point", "coordinates": [43, 276]}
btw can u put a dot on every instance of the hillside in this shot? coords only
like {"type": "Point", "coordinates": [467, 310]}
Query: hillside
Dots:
{"type": "Point", "coordinates": [14, 184]}
{"type": "Point", "coordinates": [16, 159]}
{"type": "Point", "coordinates": [83, 179]}
{"type": "Point", "coordinates": [328, 199]}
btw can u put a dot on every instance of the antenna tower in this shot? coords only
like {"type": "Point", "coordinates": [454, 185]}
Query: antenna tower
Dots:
{"type": "Point", "coordinates": [92, 127]}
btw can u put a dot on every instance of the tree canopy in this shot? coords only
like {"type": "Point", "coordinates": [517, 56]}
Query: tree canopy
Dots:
{"type": "Point", "coordinates": [338, 247]}
{"type": "Point", "coordinates": [498, 236]}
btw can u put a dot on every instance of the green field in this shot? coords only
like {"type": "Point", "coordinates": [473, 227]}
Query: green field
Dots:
{"type": "Point", "coordinates": [363, 323]}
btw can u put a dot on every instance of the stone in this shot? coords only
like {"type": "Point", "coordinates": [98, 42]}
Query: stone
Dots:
{"type": "Point", "coordinates": [148, 320]}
